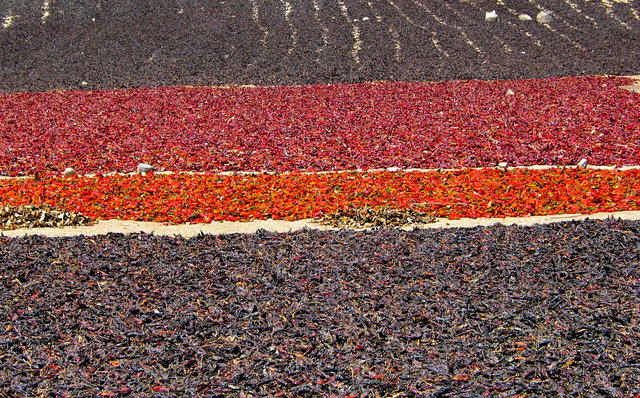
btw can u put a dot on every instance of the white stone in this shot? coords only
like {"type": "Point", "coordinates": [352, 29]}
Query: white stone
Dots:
{"type": "Point", "coordinates": [365, 18]}
{"type": "Point", "coordinates": [544, 17]}
{"type": "Point", "coordinates": [524, 17]}
{"type": "Point", "coordinates": [583, 163]}
{"type": "Point", "coordinates": [393, 169]}
{"type": "Point", "coordinates": [510, 92]}
{"type": "Point", "coordinates": [84, 83]}
{"type": "Point", "coordinates": [490, 16]}
{"type": "Point", "coordinates": [68, 172]}
{"type": "Point", "coordinates": [503, 165]}
{"type": "Point", "coordinates": [144, 168]}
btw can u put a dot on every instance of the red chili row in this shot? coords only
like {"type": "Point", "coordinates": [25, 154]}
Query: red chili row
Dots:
{"type": "Point", "coordinates": [452, 124]}
{"type": "Point", "coordinates": [473, 193]}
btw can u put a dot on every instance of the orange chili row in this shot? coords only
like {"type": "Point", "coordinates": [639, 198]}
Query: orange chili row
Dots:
{"type": "Point", "coordinates": [182, 198]}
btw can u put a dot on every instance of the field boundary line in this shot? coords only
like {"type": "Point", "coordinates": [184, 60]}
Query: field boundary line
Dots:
{"type": "Point", "coordinates": [103, 227]}
{"type": "Point", "coordinates": [380, 170]}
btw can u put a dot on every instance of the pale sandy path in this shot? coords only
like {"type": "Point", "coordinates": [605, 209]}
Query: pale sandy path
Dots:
{"type": "Point", "coordinates": [228, 227]}
{"type": "Point", "coordinates": [635, 87]}
{"type": "Point", "coordinates": [391, 169]}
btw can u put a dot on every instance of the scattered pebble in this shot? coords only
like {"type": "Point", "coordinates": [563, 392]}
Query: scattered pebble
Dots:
{"type": "Point", "coordinates": [144, 168]}
{"type": "Point", "coordinates": [68, 172]}
{"type": "Point", "coordinates": [524, 17]}
{"type": "Point", "coordinates": [510, 92]}
{"type": "Point", "coordinates": [504, 165]}
{"type": "Point", "coordinates": [393, 169]}
{"type": "Point", "coordinates": [491, 16]}
{"type": "Point", "coordinates": [544, 17]}
{"type": "Point", "coordinates": [583, 163]}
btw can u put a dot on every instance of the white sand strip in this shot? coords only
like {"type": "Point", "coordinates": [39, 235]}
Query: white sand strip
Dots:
{"type": "Point", "coordinates": [228, 227]}
{"type": "Point", "coordinates": [390, 169]}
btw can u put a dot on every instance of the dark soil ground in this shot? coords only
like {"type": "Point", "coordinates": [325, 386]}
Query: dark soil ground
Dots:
{"type": "Point", "coordinates": [125, 43]}
{"type": "Point", "coordinates": [538, 311]}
